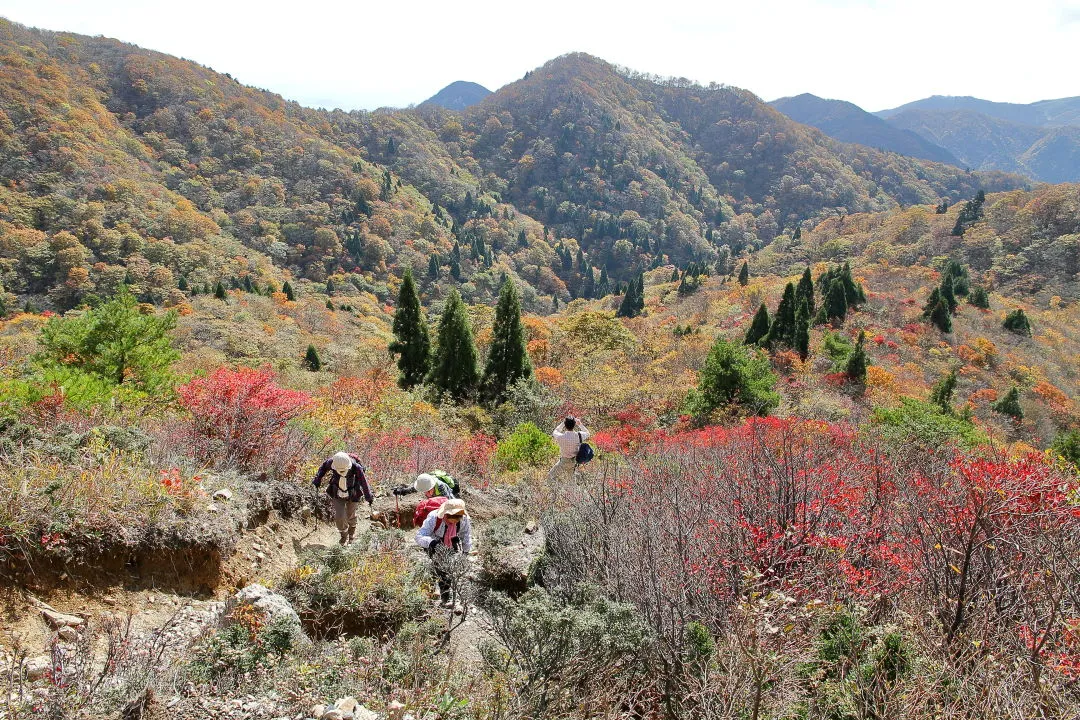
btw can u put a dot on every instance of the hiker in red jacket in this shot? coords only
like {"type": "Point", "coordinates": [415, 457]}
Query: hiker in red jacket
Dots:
{"type": "Point", "coordinates": [346, 484]}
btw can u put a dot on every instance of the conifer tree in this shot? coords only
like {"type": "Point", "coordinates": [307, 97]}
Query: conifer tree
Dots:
{"type": "Point", "coordinates": [433, 267]}
{"type": "Point", "coordinates": [979, 298]}
{"type": "Point", "coordinates": [932, 302]}
{"type": "Point", "coordinates": [759, 327]}
{"type": "Point", "coordinates": [941, 317]}
{"type": "Point", "coordinates": [804, 291]}
{"type": "Point", "coordinates": [836, 305]}
{"type": "Point", "coordinates": [454, 368]}
{"type": "Point", "coordinates": [856, 365]}
{"type": "Point", "coordinates": [1010, 405]}
{"type": "Point", "coordinates": [182, 284]}
{"type": "Point", "coordinates": [311, 359]}
{"type": "Point", "coordinates": [219, 291]}
{"type": "Point", "coordinates": [674, 275]}
{"type": "Point", "coordinates": [947, 294]}
{"type": "Point", "coordinates": [802, 329]}
{"type": "Point", "coordinates": [744, 273]}
{"type": "Point", "coordinates": [633, 301]}
{"type": "Point", "coordinates": [1017, 322]}
{"type": "Point", "coordinates": [247, 284]}
{"type": "Point", "coordinates": [329, 304]}
{"type": "Point", "coordinates": [288, 290]}
{"type": "Point", "coordinates": [455, 268]}
{"type": "Point", "coordinates": [942, 392]}
{"type": "Point", "coordinates": [411, 342]}
{"type": "Point", "coordinates": [782, 331]}
{"type": "Point", "coordinates": [329, 286]}
{"type": "Point", "coordinates": [603, 287]}
{"type": "Point", "coordinates": [508, 360]}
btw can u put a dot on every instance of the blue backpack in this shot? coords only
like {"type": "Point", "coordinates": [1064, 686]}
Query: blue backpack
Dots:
{"type": "Point", "coordinates": [584, 452]}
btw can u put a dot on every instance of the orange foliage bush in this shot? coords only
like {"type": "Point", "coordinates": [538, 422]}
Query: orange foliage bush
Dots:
{"type": "Point", "coordinates": [880, 380]}
{"type": "Point", "coordinates": [549, 376]}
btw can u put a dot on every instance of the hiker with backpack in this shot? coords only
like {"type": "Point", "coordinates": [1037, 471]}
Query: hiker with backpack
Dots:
{"type": "Point", "coordinates": [346, 484]}
{"type": "Point", "coordinates": [570, 435]}
{"type": "Point", "coordinates": [445, 533]}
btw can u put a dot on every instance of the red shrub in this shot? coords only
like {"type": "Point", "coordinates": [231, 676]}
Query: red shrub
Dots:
{"type": "Point", "coordinates": [240, 417]}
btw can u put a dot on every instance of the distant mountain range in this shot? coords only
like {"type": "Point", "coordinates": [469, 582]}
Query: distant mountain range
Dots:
{"type": "Point", "coordinates": [458, 95]}
{"type": "Point", "coordinates": [1040, 140]}
{"type": "Point", "coordinates": [848, 122]}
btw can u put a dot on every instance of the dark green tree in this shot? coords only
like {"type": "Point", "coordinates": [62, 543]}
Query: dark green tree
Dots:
{"type": "Point", "coordinates": [942, 392]}
{"type": "Point", "coordinates": [1017, 322]}
{"type": "Point", "coordinates": [455, 268]}
{"type": "Point", "coordinates": [947, 295]}
{"type": "Point", "coordinates": [633, 302]}
{"type": "Point", "coordinates": [182, 284]}
{"type": "Point", "coordinates": [759, 327]}
{"type": "Point", "coordinates": [836, 305]}
{"type": "Point", "coordinates": [454, 368]}
{"type": "Point", "coordinates": [311, 359]}
{"type": "Point", "coordinates": [1067, 446]}
{"type": "Point", "coordinates": [411, 343]}
{"type": "Point", "coordinates": [782, 330]}
{"type": "Point", "coordinates": [288, 290]}
{"type": "Point", "coordinates": [804, 291]}
{"type": "Point", "coordinates": [219, 291]}
{"type": "Point", "coordinates": [856, 364]}
{"type": "Point", "coordinates": [508, 360]}
{"type": "Point", "coordinates": [329, 304]}
{"type": "Point", "coordinates": [744, 273]}
{"type": "Point", "coordinates": [733, 375]}
{"type": "Point", "coordinates": [940, 316]}
{"type": "Point", "coordinates": [979, 297]}
{"type": "Point", "coordinates": [959, 275]}
{"type": "Point", "coordinates": [802, 329]}
{"type": "Point", "coordinates": [433, 266]}
{"type": "Point", "coordinates": [1010, 404]}
{"type": "Point", "coordinates": [248, 287]}
{"type": "Point", "coordinates": [329, 286]}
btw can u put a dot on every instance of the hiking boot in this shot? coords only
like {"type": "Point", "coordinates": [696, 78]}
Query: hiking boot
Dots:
{"type": "Point", "coordinates": [352, 534]}
{"type": "Point", "coordinates": [343, 539]}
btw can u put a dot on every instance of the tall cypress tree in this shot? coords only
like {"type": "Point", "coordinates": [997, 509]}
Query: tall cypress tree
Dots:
{"type": "Point", "coordinates": [759, 327]}
{"type": "Point", "coordinates": [633, 301]}
{"type": "Point", "coordinates": [802, 329]}
{"type": "Point", "coordinates": [744, 273]}
{"type": "Point", "coordinates": [219, 291]}
{"type": "Point", "coordinates": [979, 297]}
{"type": "Point", "coordinates": [836, 305]}
{"type": "Point", "coordinates": [941, 317]}
{"type": "Point", "coordinates": [782, 331]}
{"type": "Point", "coordinates": [433, 267]}
{"type": "Point", "coordinates": [805, 291]}
{"type": "Point", "coordinates": [1010, 405]}
{"type": "Point", "coordinates": [508, 361]}
{"type": "Point", "coordinates": [856, 365]}
{"type": "Point", "coordinates": [948, 294]}
{"type": "Point", "coordinates": [287, 289]}
{"type": "Point", "coordinates": [454, 367]}
{"type": "Point", "coordinates": [942, 392]}
{"type": "Point", "coordinates": [411, 341]}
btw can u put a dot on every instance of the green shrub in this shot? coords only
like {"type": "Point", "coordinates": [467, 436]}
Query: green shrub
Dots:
{"type": "Point", "coordinates": [733, 375]}
{"type": "Point", "coordinates": [1067, 446]}
{"type": "Point", "coordinates": [839, 349]}
{"type": "Point", "coordinates": [527, 446]}
{"type": "Point", "coordinates": [925, 424]}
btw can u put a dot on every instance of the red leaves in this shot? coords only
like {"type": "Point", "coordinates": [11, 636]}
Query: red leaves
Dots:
{"type": "Point", "coordinates": [239, 414]}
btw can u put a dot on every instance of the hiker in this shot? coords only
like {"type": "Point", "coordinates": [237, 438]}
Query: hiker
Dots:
{"type": "Point", "coordinates": [569, 436]}
{"type": "Point", "coordinates": [430, 485]}
{"type": "Point", "coordinates": [445, 532]}
{"type": "Point", "coordinates": [346, 483]}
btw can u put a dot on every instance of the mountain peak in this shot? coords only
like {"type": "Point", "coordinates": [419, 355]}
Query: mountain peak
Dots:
{"type": "Point", "coordinates": [458, 95]}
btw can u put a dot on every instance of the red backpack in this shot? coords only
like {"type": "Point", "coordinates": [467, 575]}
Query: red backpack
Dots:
{"type": "Point", "coordinates": [424, 509]}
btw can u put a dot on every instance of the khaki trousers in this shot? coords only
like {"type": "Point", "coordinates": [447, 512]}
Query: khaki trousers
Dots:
{"type": "Point", "coordinates": [565, 469]}
{"type": "Point", "coordinates": [344, 515]}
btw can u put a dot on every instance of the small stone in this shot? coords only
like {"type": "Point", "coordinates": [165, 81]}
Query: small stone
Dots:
{"type": "Point", "coordinates": [362, 713]}
{"type": "Point", "coordinates": [346, 704]}
{"type": "Point", "coordinates": [35, 668]}
{"type": "Point", "coordinates": [58, 619]}
{"type": "Point", "coordinates": [213, 507]}
{"type": "Point", "coordinates": [223, 494]}
{"type": "Point", "coordinates": [530, 527]}
{"type": "Point", "coordinates": [67, 634]}
{"type": "Point", "coordinates": [332, 714]}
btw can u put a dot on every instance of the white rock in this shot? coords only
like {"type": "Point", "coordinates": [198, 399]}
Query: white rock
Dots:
{"type": "Point", "coordinates": [67, 634]}
{"type": "Point", "coordinates": [395, 710]}
{"type": "Point", "coordinates": [274, 606]}
{"type": "Point", "coordinates": [35, 668]}
{"type": "Point", "coordinates": [332, 714]}
{"type": "Point", "coordinates": [58, 619]}
{"type": "Point", "coordinates": [346, 704]}
{"type": "Point", "coordinates": [223, 494]}
{"type": "Point", "coordinates": [362, 713]}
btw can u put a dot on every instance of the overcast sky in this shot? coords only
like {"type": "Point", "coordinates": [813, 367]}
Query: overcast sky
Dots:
{"type": "Point", "coordinates": [875, 53]}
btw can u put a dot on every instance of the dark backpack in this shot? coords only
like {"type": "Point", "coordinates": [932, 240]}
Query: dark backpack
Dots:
{"type": "Point", "coordinates": [454, 485]}
{"type": "Point", "coordinates": [584, 452]}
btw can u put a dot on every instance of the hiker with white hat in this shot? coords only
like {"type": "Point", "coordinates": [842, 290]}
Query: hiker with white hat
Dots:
{"type": "Point", "coordinates": [346, 484]}
{"type": "Point", "coordinates": [446, 531]}
{"type": "Point", "coordinates": [431, 486]}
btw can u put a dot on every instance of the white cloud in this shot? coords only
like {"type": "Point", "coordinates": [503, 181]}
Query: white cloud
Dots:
{"type": "Point", "coordinates": [875, 53]}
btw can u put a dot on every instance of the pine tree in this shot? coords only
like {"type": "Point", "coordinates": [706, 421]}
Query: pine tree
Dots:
{"type": "Point", "coordinates": [802, 330]}
{"type": "Point", "coordinates": [782, 331]}
{"type": "Point", "coordinates": [508, 360]}
{"type": "Point", "coordinates": [311, 359]}
{"type": "Point", "coordinates": [932, 302]}
{"type": "Point", "coordinates": [182, 285]}
{"type": "Point", "coordinates": [1017, 322]}
{"type": "Point", "coordinates": [1010, 405]}
{"type": "Point", "coordinates": [979, 298]}
{"type": "Point", "coordinates": [797, 235]}
{"type": "Point", "coordinates": [329, 304]}
{"type": "Point", "coordinates": [947, 294]}
{"type": "Point", "coordinates": [247, 284]}
{"type": "Point", "coordinates": [633, 301]}
{"type": "Point", "coordinates": [411, 342]}
{"type": "Point", "coordinates": [219, 291]}
{"type": "Point", "coordinates": [603, 287]}
{"type": "Point", "coordinates": [433, 267]}
{"type": "Point", "coordinates": [329, 286]}
{"type": "Point", "coordinates": [744, 273]}
{"type": "Point", "coordinates": [942, 392]}
{"type": "Point", "coordinates": [804, 291]}
{"type": "Point", "coordinates": [856, 365]}
{"type": "Point", "coordinates": [836, 305]}
{"type": "Point", "coordinates": [940, 316]}
{"type": "Point", "coordinates": [287, 289]}
{"type": "Point", "coordinates": [674, 275]}
{"type": "Point", "coordinates": [759, 327]}
{"type": "Point", "coordinates": [454, 368]}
